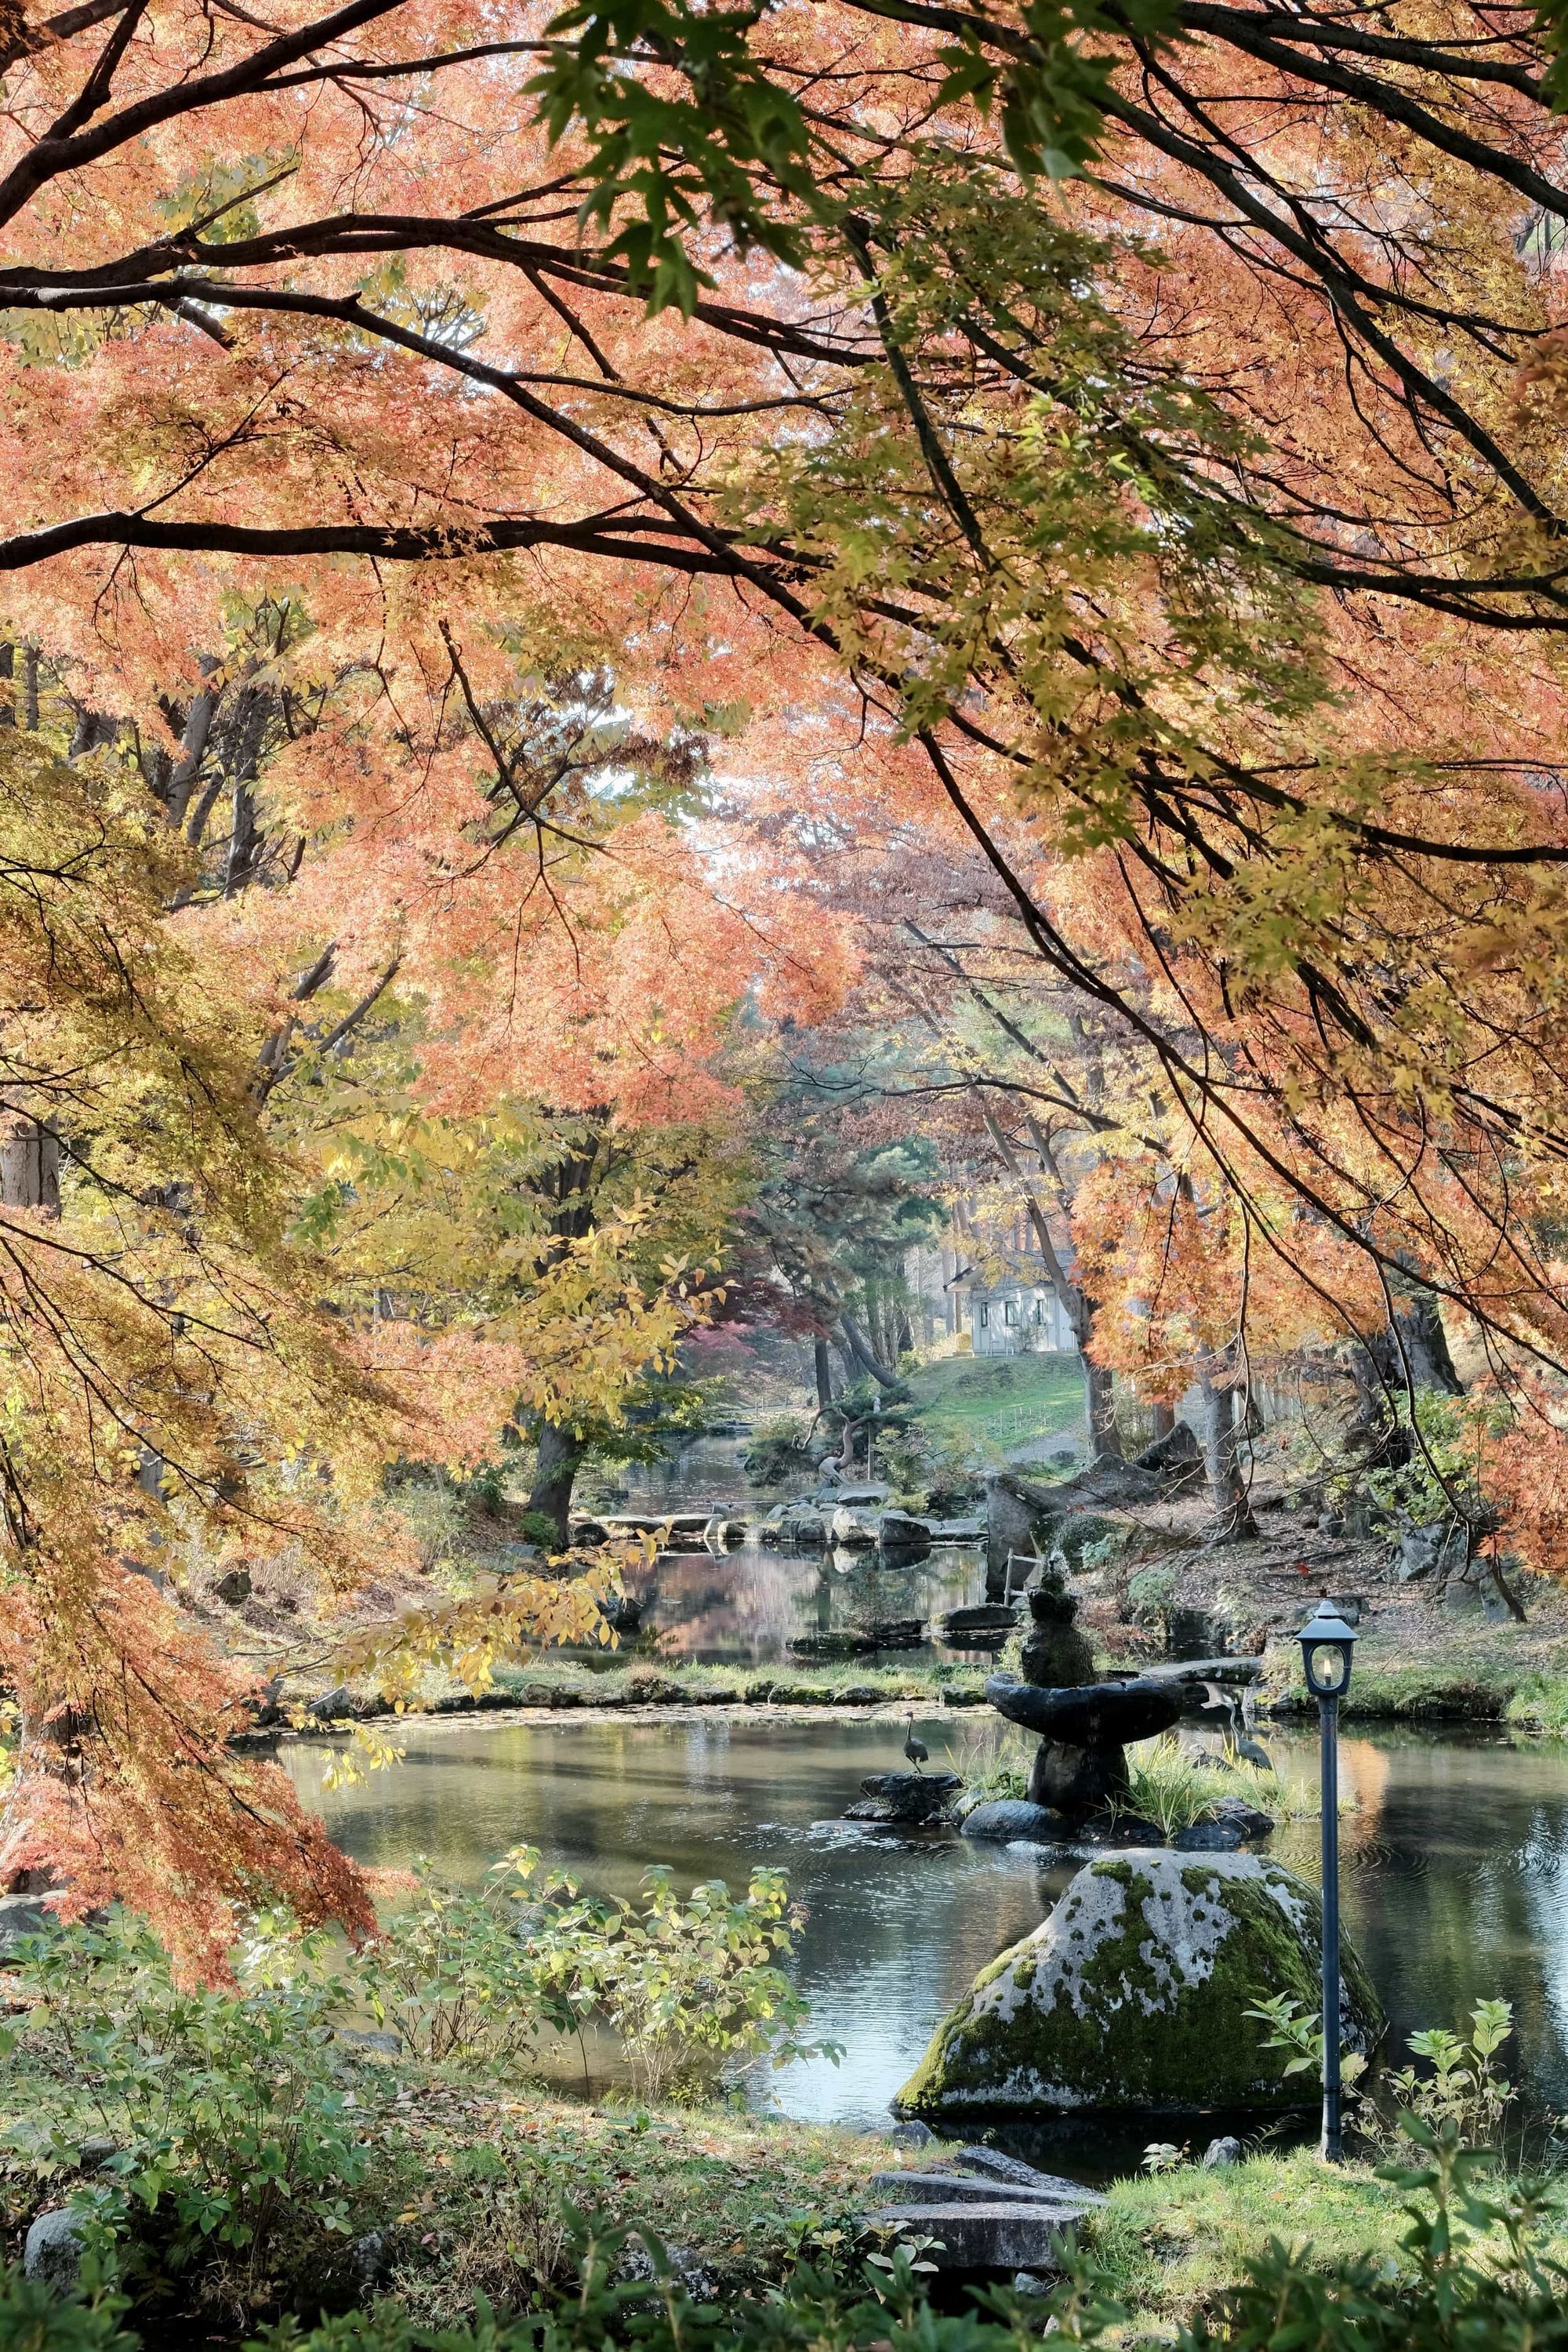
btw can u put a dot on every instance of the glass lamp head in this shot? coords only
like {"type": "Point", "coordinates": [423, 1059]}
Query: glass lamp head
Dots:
{"type": "Point", "coordinates": [1327, 1644]}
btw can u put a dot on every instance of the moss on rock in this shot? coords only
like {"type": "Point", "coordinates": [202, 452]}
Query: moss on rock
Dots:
{"type": "Point", "coordinates": [1133, 1995]}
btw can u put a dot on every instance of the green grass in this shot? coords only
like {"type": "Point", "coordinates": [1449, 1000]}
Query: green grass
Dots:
{"type": "Point", "coordinates": [472, 2185]}
{"type": "Point", "coordinates": [1002, 1401]}
{"type": "Point", "coordinates": [1173, 2244]}
{"type": "Point", "coordinates": [1506, 1674]}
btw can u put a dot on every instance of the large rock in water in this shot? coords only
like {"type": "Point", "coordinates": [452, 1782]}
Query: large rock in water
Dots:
{"type": "Point", "coordinates": [1133, 1995]}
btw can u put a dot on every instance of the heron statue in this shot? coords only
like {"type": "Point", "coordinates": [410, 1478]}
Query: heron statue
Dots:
{"type": "Point", "coordinates": [916, 1750]}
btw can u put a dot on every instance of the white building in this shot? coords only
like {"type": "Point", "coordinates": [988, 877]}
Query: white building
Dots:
{"type": "Point", "coordinates": [1016, 1318]}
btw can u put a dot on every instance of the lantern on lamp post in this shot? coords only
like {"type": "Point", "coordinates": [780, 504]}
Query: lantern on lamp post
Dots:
{"type": "Point", "coordinates": [1327, 1643]}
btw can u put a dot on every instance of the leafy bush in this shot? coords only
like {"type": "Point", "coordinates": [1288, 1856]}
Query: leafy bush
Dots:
{"type": "Point", "coordinates": [222, 2113]}
{"type": "Point", "coordinates": [688, 1989]}
{"type": "Point", "coordinates": [1465, 2093]}
{"type": "Point", "coordinates": [37, 2318]}
{"type": "Point", "coordinates": [779, 1448]}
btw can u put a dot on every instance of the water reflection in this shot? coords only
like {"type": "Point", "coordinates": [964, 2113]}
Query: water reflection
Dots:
{"type": "Point", "coordinates": [1456, 1866]}
{"type": "Point", "coordinates": [746, 1605]}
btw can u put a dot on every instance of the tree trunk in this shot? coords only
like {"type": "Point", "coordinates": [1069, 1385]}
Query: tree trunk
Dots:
{"type": "Point", "coordinates": [861, 1350]}
{"type": "Point", "coordinates": [555, 1472]}
{"type": "Point", "coordinates": [822, 1363]}
{"type": "Point", "coordinates": [1163, 1420]}
{"type": "Point", "coordinates": [1233, 1519]}
{"type": "Point", "coordinates": [29, 1164]}
{"type": "Point", "coordinates": [1100, 1405]}
{"type": "Point", "coordinates": [193, 747]}
{"type": "Point", "coordinates": [30, 687]}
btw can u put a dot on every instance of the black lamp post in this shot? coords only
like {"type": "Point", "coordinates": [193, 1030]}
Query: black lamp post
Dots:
{"type": "Point", "coordinates": [1327, 1643]}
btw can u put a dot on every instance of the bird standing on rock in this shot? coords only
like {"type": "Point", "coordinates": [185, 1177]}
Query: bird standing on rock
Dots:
{"type": "Point", "coordinates": [915, 1749]}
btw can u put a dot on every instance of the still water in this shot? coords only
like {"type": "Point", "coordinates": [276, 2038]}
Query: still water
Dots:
{"type": "Point", "coordinates": [1454, 1864]}
{"type": "Point", "coordinates": [745, 1605]}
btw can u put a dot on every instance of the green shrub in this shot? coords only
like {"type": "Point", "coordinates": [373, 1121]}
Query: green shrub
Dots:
{"type": "Point", "coordinates": [37, 2318]}
{"type": "Point", "coordinates": [1466, 2088]}
{"type": "Point", "coordinates": [1471, 2276]}
{"type": "Point", "coordinates": [691, 1989]}
{"type": "Point", "coordinates": [223, 2113]}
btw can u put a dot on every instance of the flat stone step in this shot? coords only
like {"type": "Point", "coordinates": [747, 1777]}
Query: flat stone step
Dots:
{"type": "Point", "coordinates": [992, 2161]}
{"type": "Point", "coordinates": [966, 2189]}
{"type": "Point", "coordinates": [988, 2237]}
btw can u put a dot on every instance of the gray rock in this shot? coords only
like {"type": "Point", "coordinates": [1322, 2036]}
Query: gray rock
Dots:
{"type": "Point", "coordinates": [912, 2134]}
{"type": "Point", "coordinates": [901, 1532]}
{"type": "Point", "coordinates": [370, 2260]}
{"type": "Point", "coordinates": [24, 1914]}
{"type": "Point", "coordinates": [334, 1705]}
{"type": "Point", "coordinates": [1208, 1837]}
{"type": "Point", "coordinates": [385, 2045]}
{"type": "Point", "coordinates": [911, 1799]}
{"type": "Point", "coordinates": [637, 2263]}
{"type": "Point", "coordinates": [1134, 1994]}
{"type": "Point", "coordinates": [955, 2187]}
{"type": "Point", "coordinates": [1430, 1551]}
{"type": "Point", "coordinates": [853, 1529]}
{"type": "Point", "coordinates": [988, 1617]}
{"type": "Point", "coordinates": [1010, 1818]}
{"type": "Point", "coordinates": [999, 2167]}
{"type": "Point", "coordinates": [233, 1587]}
{"type": "Point", "coordinates": [989, 2237]}
{"type": "Point", "coordinates": [806, 1528]}
{"type": "Point", "coordinates": [1176, 1456]}
{"type": "Point", "coordinates": [1221, 2153]}
{"type": "Point", "coordinates": [53, 2248]}
{"type": "Point", "coordinates": [1028, 2282]}
{"type": "Point", "coordinates": [1248, 1818]}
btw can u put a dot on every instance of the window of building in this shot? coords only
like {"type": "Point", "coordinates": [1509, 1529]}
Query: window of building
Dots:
{"type": "Point", "coordinates": [1039, 1310]}
{"type": "Point", "coordinates": [985, 1316]}
{"type": "Point", "coordinates": [1010, 1311]}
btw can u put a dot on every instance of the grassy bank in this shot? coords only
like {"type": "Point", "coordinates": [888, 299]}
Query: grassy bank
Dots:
{"type": "Point", "coordinates": [564, 1686]}
{"type": "Point", "coordinates": [1513, 1675]}
{"type": "Point", "coordinates": [1487, 1681]}
{"type": "Point", "coordinates": [470, 2188]}
{"type": "Point", "coordinates": [1174, 2246]}
{"type": "Point", "coordinates": [1000, 1400]}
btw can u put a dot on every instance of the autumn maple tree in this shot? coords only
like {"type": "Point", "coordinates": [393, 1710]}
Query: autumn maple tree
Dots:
{"type": "Point", "coordinates": [1116, 444]}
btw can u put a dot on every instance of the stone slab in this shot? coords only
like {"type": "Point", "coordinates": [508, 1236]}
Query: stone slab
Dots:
{"type": "Point", "coordinates": [962, 2189]}
{"type": "Point", "coordinates": [996, 2237]}
{"type": "Point", "coordinates": [1001, 2167]}
{"type": "Point", "coordinates": [1012, 1819]}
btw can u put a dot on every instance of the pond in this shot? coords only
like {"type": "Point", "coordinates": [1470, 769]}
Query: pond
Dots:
{"type": "Point", "coordinates": [1455, 1864]}
{"type": "Point", "coordinates": [745, 1605]}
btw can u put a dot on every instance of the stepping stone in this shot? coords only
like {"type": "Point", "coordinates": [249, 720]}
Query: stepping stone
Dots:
{"type": "Point", "coordinates": [988, 2237]}
{"type": "Point", "coordinates": [963, 2188]}
{"type": "Point", "coordinates": [989, 2211]}
{"type": "Point", "coordinates": [992, 2160]}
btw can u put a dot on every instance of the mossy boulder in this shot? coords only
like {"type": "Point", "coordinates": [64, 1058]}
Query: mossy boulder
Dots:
{"type": "Point", "coordinates": [1133, 1994]}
